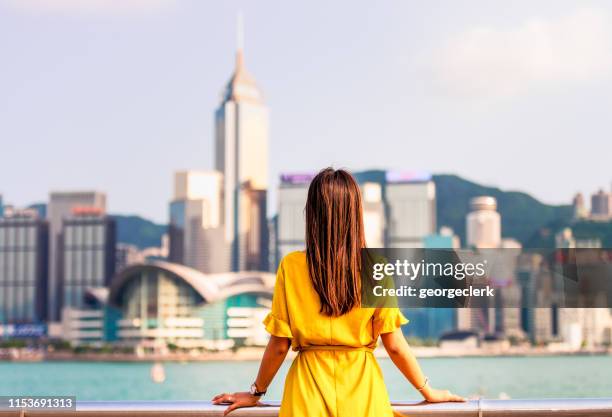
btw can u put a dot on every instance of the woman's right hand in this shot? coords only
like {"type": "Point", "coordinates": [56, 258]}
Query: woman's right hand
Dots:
{"type": "Point", "coordinates": [441, 396]}
{"type": "Point", "coordinates": [236, 400]}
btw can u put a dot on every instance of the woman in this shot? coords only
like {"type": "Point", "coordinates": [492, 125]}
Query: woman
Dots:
{"type": "Point", "coordinates": [316, 311]}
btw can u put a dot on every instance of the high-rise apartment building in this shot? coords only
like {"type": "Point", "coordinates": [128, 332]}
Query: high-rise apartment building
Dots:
{"type": "Point", "coordinates": [60, 207]}
{"type": "Point", "coordinates": [483, 223]}
{"type": "Point", "coordinates": [253, 218]}
{"type": "Point", "coordinates": [483, 230]}
{"type": "Point", "coordinates": [579, 207]}
{"type": "Point", "coordinates": [87, 250]}
{"type": "Point", "coordinates": [601, 205]}
{"type": "Point", "coordinates": [411, 208]}
{"type": "Point", "coordinates": [23, 267]}
{"type": "Point", "coordinates": [196, 229]}
{"type": "Point", "coordinates": [431, 323]}
{"type": "Point", "coordinates": [290, 224]}
{"type": "Point", "coordinates": [533, 277]}
{"type": "Point", "coordinates": [241, 155]}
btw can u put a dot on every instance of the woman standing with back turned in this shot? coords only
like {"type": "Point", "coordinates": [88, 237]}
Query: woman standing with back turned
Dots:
{"type": "Point", "coordinates": [316, 311]}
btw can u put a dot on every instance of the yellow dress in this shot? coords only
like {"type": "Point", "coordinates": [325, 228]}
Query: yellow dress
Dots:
{"type": "Point", "coordinates": [343, 380]}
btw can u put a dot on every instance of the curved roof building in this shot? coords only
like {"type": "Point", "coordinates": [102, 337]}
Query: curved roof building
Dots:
{"type": "Point", "coordinates": [156, 304]}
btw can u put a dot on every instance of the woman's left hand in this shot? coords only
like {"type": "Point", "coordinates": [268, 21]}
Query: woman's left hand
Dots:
{"type": "Point", "coordinates": [236, 400]}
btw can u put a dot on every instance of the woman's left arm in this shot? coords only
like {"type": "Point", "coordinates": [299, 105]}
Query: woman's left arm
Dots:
{"type": "Point", "coordinates": [273, 357]}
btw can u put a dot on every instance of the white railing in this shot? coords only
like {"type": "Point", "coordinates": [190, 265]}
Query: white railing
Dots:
{"type": "Point", "coordinates": [473, 408]}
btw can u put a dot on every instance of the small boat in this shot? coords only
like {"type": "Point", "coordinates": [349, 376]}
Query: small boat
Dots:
{"type": "Point", "coordinates": [158, 374]}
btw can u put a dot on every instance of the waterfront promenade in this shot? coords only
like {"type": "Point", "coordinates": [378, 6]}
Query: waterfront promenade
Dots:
{"type": "Point", "coordinates": [252, 353]}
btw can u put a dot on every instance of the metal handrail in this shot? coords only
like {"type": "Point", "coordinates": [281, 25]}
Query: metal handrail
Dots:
{"type": "Point", "coordinates": [473, 408]}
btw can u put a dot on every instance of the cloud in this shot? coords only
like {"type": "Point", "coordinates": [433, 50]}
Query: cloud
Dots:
{"type": "Point", "coordinates": [77, 7]}
{"type": "Point", "coordinates": [540, 53]}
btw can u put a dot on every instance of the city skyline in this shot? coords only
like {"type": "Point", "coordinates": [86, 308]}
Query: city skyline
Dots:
{"type": "Point", "coordinates": [146, 119]}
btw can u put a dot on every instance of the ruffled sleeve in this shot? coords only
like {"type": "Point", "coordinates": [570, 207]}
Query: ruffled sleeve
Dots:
{"type": "Point", "coordinates": [277, 321]}
{"type": "Point", "coordinates": [387, 320]}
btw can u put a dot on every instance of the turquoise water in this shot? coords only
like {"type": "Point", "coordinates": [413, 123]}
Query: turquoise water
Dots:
{"type": "Point", "coordinates": [517, 377]}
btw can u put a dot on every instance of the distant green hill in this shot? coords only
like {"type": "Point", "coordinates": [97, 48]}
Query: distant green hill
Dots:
{"type": "Point", "coordinates": [138, 231]}
{"type": "Point", "coordinates": [523, 217]}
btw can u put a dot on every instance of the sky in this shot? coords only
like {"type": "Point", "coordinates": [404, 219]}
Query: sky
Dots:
{"type": "Point", "coordinates": [116, 95]}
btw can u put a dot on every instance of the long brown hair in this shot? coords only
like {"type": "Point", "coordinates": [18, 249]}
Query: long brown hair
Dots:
{"type": "Point", "coordinates": [334, 239]}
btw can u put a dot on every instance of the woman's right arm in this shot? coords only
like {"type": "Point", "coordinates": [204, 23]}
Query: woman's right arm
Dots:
{"type": "Point", "coordinates": [400, 353]}
{"type": "Point", "coordinates": [273, 357]}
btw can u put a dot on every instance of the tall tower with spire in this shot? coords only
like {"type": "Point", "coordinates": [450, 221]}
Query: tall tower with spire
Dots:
{"type": "Point", "coordinates": [241, 154]}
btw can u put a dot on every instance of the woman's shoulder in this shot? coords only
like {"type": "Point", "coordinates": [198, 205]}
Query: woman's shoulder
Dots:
{"type": "Point", "coordinates": [293, 267]}
{"type": "Point", "coordinates": [293, 263]}
{"type": "Point", "coordinates": [297, 257]}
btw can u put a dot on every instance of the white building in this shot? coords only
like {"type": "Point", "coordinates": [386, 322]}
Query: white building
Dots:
{"type": "Point", "coordinates": [483, 223]}
{"type": "Point", "coordinates": [585, 327]}
{"type": "Point", "coordinates": [82, 326]}
{"type": "Point", "coordinates": [579, 207]}
{"type": "Point", "coordinates": [373, 214]}
{"type": "Point", "coordinates": [85, 325]}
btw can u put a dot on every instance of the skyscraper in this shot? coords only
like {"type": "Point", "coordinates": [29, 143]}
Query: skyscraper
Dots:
{"type": "Point", "coordinates": [291, 223]}
{"type": "Point", "coordinates": [241, 155]}
{"type": "Point", "coordinates": [411, 208]}
{"type": "Point", "coordinates": [196, 230]}
{"type": "Point", "coordinates": [580, 210]}
{"type": "Point", "coordinates": [60, 206]}
{"type": "Point", "coordinates": [483, 223]}
{"type": "Point", "coordinates": [601, 205]}
{"type": "Point", "coordinates": [23, 267]}
{"type": "Point", "coordinates": [87, 251]}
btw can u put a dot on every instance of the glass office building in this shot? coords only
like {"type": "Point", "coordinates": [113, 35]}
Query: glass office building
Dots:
{"type": "Point", "coordinates": [23, 268]}
{"type": "Point", "coordinates": [60, 207]}
{"type": "Point", "coordinates": [87, 248]}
